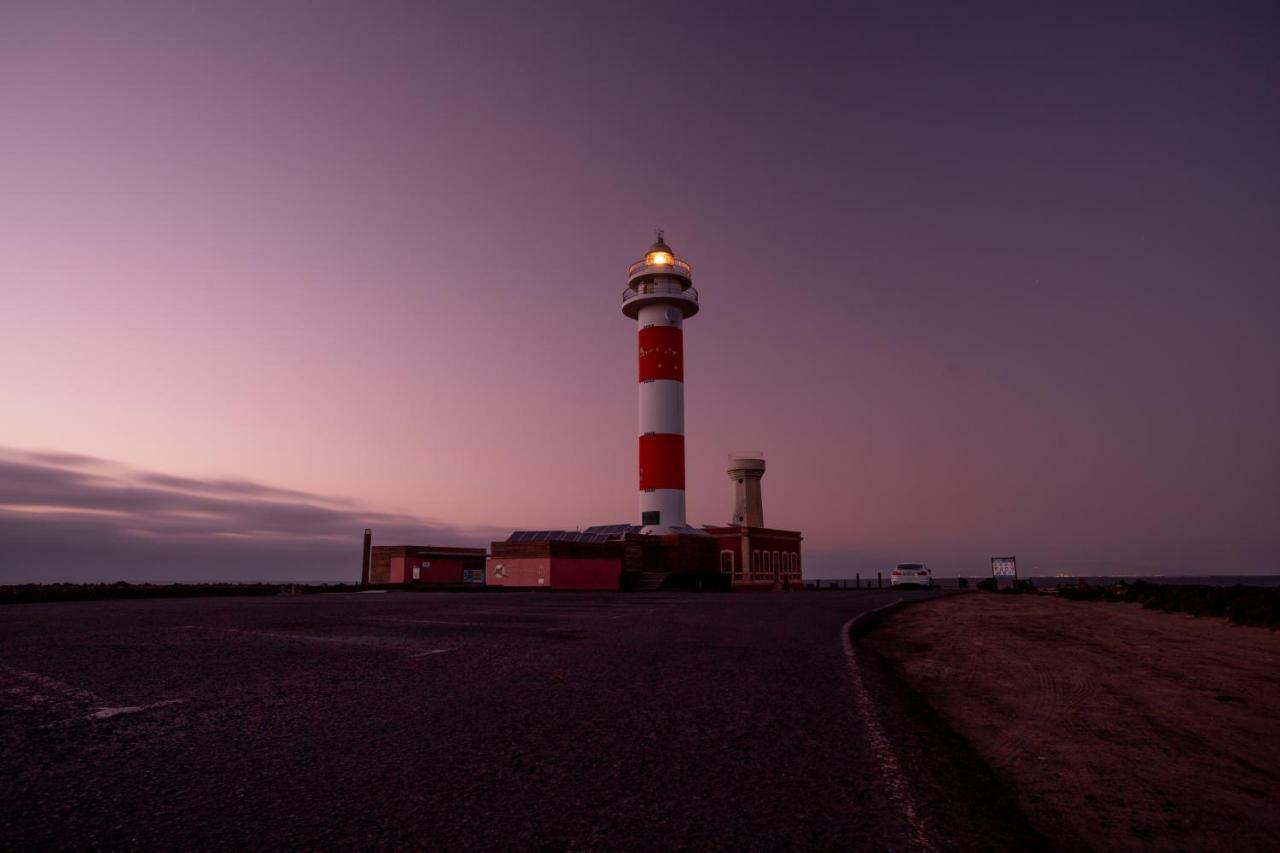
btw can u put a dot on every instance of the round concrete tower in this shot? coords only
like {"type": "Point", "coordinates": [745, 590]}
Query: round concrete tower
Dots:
{"type": "Point", "coordinates": [660, 297]}
{"type": "Point", "coordinates": [746, 470]}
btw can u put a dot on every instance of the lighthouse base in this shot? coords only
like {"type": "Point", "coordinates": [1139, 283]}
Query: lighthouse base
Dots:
{"type": "Point", "coordinates": [686, 559]}
{"type": "Point", "coordinates": [671, 530]}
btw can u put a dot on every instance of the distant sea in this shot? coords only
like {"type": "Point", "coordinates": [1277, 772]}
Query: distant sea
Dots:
{"type": "Point", "coordinates": [1094, 580]}
{"type": "Point", "coordinates": [1186, 580]}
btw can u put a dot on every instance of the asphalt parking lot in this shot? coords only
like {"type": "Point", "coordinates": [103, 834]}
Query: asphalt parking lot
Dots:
{"type": "Point", "coordinates": [522, 721]}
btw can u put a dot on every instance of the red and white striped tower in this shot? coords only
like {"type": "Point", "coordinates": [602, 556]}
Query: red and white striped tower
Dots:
{"type": "Point", "coordinates": [659, 297]}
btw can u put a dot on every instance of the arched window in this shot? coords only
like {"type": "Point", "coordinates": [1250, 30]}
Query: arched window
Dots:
{"type": "Point", "coordinates": [795, 562]}
{"type": "Point", "coordinates": [777, 562]}
{"type": "Point", "coordinates": [755, 561]}
{"type": "Point", "coordinates": [726, 561]}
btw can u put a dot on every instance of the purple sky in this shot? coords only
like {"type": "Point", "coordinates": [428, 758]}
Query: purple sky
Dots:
{"type": "Point", "coordinates": [978, 279]}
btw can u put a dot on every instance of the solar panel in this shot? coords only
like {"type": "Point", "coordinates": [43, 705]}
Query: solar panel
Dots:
{"type": "Point", "coordinates": [612, 529]}
{"type": "Point", "coordinates": [528, 536]}
{"type": "Point", "coordinates": [594, 535]}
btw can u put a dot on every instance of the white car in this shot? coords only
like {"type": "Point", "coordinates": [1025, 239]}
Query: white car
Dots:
{"type": "Point", "coordinates": [911, 574]}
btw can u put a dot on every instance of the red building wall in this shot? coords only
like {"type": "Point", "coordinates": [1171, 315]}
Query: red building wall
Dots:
{"type": "Point", "coordinates": [518, 571]}
{"type": "Point", "coordinates": [429, 571]}
{"type": "Point", "coordinates": [585, 573]}
{"type": "Point", "coordinates": [772, 556]}
{"type": "Point", "coordinates": [440, 571]}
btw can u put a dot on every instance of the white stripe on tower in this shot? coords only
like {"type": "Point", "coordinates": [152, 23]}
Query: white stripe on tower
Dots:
{"type": "Point", "coordinates": [662, 407]}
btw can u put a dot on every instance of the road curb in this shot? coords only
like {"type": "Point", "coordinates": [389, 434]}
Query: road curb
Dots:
{"type": "Point", "coordinates": [1008, 816]}
{"type": "Point", "coordinates": [864, 623]}
{"type": "Point", "coordinates": [896, 784]}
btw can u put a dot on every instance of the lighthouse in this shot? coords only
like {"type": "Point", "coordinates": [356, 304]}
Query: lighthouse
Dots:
{"type": "Point", "coordinates": [660, 297]}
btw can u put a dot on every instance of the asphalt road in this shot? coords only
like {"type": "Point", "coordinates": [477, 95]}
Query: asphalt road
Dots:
{"type": "Point", "coordinates": [521, 721]}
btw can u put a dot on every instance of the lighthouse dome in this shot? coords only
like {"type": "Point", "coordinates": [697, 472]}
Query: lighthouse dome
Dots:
{"type": "Point", "coordinates": [660, 245]}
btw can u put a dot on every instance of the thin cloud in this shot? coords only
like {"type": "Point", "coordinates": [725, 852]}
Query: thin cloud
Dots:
{"type": "Point", "coordinates": [80, 518]}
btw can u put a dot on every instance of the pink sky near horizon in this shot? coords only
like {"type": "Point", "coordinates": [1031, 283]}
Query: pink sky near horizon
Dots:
{"type": "Point", "coordinates": [973, 286]}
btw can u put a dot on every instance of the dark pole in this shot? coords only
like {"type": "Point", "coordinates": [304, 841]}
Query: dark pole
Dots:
{"type": "Point", "coordinates": [879, 582]}
{"type": "Point", "coordinates": [368, 549]}
{"type": "Point", "coordinates": [857, 581]}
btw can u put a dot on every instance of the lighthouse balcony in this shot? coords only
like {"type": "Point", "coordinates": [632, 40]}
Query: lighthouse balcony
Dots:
{"type": "Point", "coordinates": [672, 266]}
{"type": "Point", "coordinates": [657, 266]}
{"type": "Point", "coordinates": [645, 292]}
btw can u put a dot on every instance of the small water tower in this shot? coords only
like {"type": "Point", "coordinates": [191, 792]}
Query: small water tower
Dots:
{"type": "Point", "coordinates": [746, 471]}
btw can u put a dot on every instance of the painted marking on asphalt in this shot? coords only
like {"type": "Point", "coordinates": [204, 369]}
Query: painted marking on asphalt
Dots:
{"type": "Point", "coordinates": [431, 652]}
{"type": "Point", "coordinates": [53, 685]}
{"type": "Point", "coordinates": [105, 713]}
{"type": "Point", "coordinates": [890, 769]}
{"type": "Point", "coordinates": [79, 696]}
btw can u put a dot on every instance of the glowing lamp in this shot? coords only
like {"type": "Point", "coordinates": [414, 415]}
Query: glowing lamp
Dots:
{"type": "Point", "coordinates": [658, 259]}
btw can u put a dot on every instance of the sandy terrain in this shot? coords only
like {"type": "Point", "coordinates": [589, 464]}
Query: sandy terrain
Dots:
{"type": "Point", "coordinates": [1114, 727]}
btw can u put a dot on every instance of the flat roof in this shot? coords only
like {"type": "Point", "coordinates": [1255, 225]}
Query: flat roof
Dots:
{"type": "Point", "coordinates": [425, 550]}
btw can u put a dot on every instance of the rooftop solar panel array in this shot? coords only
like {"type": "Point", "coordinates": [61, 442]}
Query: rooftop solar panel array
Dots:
{"type": "Point", "coordinates": [614, 530]}
{"type": "Point", "coordinates": [557, 536]}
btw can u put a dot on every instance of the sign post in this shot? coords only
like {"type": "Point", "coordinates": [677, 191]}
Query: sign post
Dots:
{"type": "Point", "coordinates": [1005, 571]}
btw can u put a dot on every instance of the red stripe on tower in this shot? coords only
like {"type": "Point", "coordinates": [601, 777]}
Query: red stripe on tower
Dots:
{"type": "Point", "coordinates": [661, 461]}
{"type": "Point", "coordinates": [661, 353]}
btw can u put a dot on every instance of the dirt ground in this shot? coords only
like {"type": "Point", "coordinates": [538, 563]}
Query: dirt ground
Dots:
{"type": "Point", "coordinates": [1114, 727]}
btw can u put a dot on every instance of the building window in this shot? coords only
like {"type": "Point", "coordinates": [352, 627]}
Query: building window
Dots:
{"type": "Point", "coordinates": [795, 562]}
{"type": "Point", "coordinates": [755, 562]}
{"type": "Point", "coordinates": [777, 562]}
{"type": "Point", "coordinates": [726, 561]}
